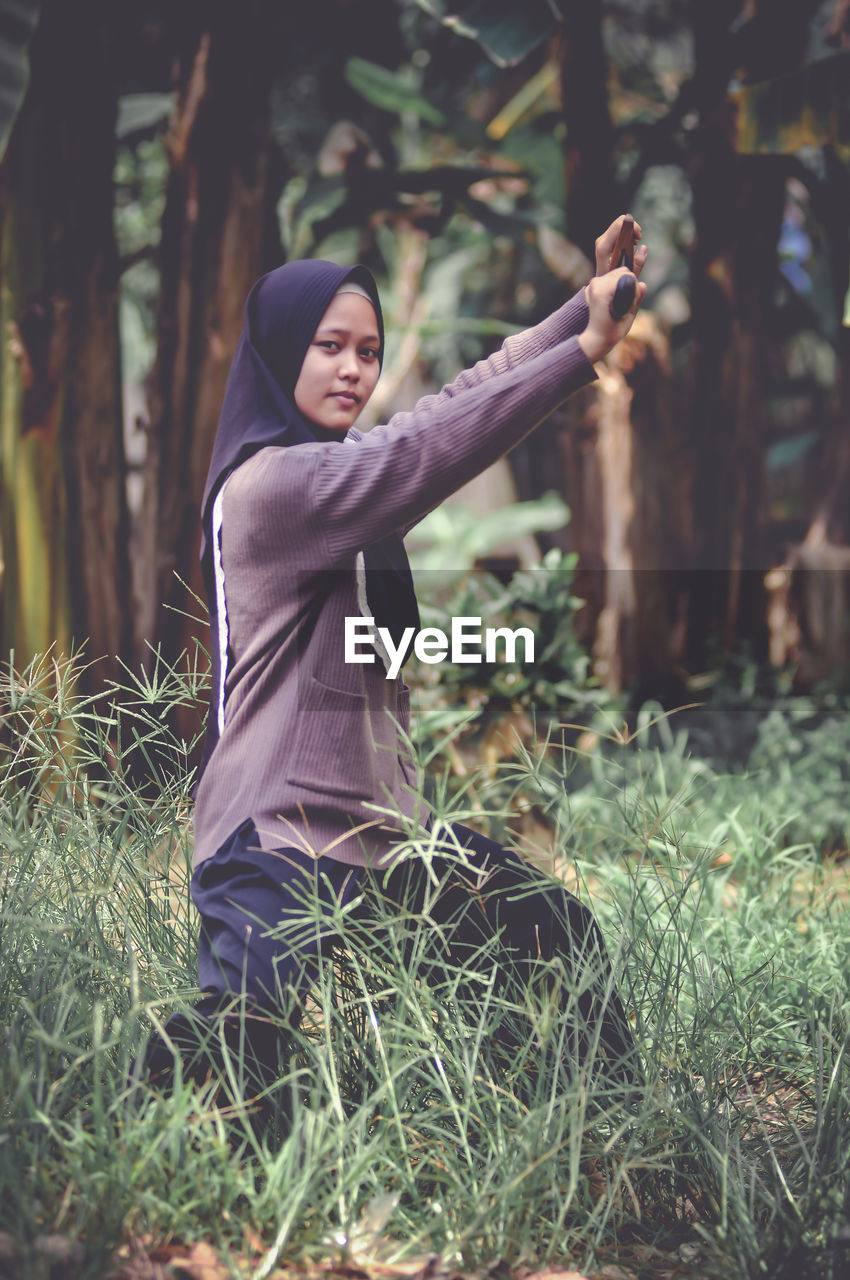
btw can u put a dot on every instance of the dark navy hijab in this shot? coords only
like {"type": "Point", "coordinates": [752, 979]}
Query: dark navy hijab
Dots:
{"type": "Point", "coordinates": [282, 314]}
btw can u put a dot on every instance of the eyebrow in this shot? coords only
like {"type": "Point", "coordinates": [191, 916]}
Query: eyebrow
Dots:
{"type": "Point", "coordinates": [370, 337]}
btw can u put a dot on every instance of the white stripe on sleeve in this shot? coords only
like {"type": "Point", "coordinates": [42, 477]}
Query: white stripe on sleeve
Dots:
{"type": "Point", "coordinates": [221, 605]}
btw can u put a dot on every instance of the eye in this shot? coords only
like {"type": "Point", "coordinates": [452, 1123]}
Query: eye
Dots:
{"type": "Point", "coordinates": [328, 344]}
{"type": "Point", "coordinates": [369, 353]}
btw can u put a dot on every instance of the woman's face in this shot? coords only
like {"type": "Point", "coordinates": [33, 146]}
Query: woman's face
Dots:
{"type": "Point", "coordinates": [342, 364]}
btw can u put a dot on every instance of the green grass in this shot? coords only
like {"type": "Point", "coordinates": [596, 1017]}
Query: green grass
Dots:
{"type": "Point", "coordinates": [396, 1132]}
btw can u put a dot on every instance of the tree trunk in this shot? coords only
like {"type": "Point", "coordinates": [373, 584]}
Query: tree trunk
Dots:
{"type": "Point", "coordinates": [809, 594]}
{"type": "Point", "coordinates": [215, 242]}
{"type": "Point", "coordinates": [738, 207]}
{"type": "Point", "coordinates": [591, 192]}
{"type": "Point", "coordinates": [734, 268]}
{"type": "Point", "coordinates": [621, 464]}
{"type": "Point", "coordinates": [64, 502]}
{"type": "Point", "coordinates": [630, 522]}
{"type": "Point", "coordinates": [830, 520]}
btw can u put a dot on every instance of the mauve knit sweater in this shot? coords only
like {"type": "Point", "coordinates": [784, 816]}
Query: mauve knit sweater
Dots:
{"type": "Point", "coordinates": [310, 748]}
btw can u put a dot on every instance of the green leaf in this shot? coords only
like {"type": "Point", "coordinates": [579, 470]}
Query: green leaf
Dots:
{"type": "Point", "coordinates": [18, 19]}
{"type": "Point", "coordinates": [390, 90]}
{"type": "Point", "coordinates": [807, 108]}
{"type": "Point", "coordinates": [541, 154]}
{"type": "Point", "coordinates": [139, 111]}
{"type": "Point", "coordinates": [506, 30]}
{"type": "Point", "coordinates": [784, 452]}
{"type": "Point", "coordinates": [454, 536]}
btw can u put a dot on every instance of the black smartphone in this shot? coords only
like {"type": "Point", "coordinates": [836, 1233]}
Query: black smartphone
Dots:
{"type": "Point", "coordinates": [624, 250]}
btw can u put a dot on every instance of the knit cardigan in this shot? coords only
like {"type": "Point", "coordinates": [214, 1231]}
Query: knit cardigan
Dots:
{"type": "Point", "coordinates": [313, 749]}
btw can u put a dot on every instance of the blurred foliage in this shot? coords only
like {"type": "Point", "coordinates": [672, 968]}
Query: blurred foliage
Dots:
{"type": "Point", "coordinates": [506, 31]}
{"type": "Point", "coordinates": [463, 139]}
{"type": "Point", "coordinates": [138, 113]}
{"type": "Point", "coordinates": [455, 536]}
{"type": "Point", "coordinates": [18, 20]}
{"type": "Point", "coordinates": [461, 706]}
{"type": "Point", "coordinates": [395, 91]}
{"type": "Point", "coordinates": [807, 108]}
{"type": "Point", "coordinates": [436, 155]}
{"type": "Point", "coordinates": [141, 171]}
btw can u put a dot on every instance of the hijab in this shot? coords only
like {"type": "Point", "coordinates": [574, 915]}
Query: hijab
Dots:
{"type": "Point", "coordinates": [282, 314]}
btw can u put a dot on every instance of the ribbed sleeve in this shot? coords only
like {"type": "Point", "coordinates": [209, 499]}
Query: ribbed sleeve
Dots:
{"type": "Point", "coordinates": [419, 458]}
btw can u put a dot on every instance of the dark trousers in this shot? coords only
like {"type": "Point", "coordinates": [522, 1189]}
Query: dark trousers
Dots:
{"type": "Point", "coordinates": [268, 920]}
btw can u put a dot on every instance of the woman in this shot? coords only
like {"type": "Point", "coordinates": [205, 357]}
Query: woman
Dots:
{"type": "Point", "coordinates": [306, 777]}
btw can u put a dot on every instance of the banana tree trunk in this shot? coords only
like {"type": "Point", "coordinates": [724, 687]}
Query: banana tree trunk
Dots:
{"type": "Point", "coordinates": [216, 239]}
{"type": "Point", "coordinates": [627, 483]}
{"type": "Point", "coordinates": [591, 191]}
{"type": "Point", "coordinates": [830, 521]}
{"type": "Point", "coordinates": [64, 526]}
{"type": "Point", "coordinates": [738, 203]}
{"type": "Point", "coordinates": [619, 440]}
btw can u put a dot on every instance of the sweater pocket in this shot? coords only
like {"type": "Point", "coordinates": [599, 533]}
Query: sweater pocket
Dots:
{"type": "Point", "coordinates": [403, 707]}
{"type": "Point", "coordinates": [406, 759]}
{"type": "Point", "coordinates": [332, 751]}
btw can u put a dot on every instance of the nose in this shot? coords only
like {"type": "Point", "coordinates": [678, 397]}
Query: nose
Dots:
{"type": "Point", "coordinates": [348, 365]}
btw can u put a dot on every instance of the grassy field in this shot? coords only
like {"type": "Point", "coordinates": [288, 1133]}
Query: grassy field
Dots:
{"type": "Point", "coordinates": [397, 1143]}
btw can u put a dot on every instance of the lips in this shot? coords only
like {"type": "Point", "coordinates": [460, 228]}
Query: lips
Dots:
{"type": "Point", "coordinates": [346, 397]}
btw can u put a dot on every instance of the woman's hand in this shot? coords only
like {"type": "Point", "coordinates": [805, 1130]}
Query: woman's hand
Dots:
{"type": "Point", "coordinates": [604, 332]}
{"type": "Point", "coordinates": [606, 244]}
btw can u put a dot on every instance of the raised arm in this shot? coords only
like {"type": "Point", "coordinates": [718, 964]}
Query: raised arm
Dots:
{"type": "Point", "coordinates": [329, 501]}
{"type": "Point", "coordinates": [518, 349]}
{"type": "Point", "coordinates": [568, 321]}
